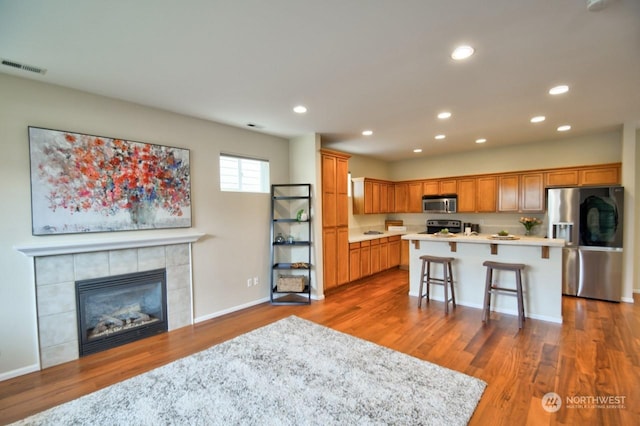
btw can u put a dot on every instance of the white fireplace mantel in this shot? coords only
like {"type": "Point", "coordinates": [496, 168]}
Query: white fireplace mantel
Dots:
{"type": "Point", "coordinates": [111, 243]}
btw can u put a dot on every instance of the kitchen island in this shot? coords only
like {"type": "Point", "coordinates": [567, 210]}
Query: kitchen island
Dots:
{"type": "Point", "coordinates": [542, 278]}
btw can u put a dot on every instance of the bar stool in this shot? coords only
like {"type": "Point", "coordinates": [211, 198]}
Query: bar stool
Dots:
{"type": "Point", "coordinates": [427, 279]}
{"type": "Point", "coordinates": [490, 289]}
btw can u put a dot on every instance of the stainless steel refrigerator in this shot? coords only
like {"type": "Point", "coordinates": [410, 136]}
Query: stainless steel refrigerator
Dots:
{"type": "Point", "coordinates": [589, 219]}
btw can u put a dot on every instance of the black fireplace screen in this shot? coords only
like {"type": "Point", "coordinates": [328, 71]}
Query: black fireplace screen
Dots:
{"type": "Point", "coordinates": [119, 309]}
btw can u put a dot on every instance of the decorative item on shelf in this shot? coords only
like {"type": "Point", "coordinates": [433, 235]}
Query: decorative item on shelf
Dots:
{"type": "Point", "coordinates": [279, 238]}
{"type": "Point", "coordinates": [529, 223]}
{"type": "Point", "coordinates": [290, 239]}
{"type": "Point", "coordinates": [291, 283]}
{"type": "Point", "coordinates": [302, 216]}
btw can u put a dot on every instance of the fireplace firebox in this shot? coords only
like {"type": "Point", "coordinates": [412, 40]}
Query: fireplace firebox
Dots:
{"type": "Point", "coordinates": [120, 309]}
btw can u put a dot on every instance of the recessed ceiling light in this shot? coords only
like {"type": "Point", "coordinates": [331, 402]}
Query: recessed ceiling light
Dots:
{"type": "Point", "coordinates": [444, 115]}
{"type": "Point", "coordinates": [300, 109]}
{"type": "Point", "coordinates": [417, 150]}
{"type": "Point", "coordinates": [558, 90]}
{"type": "Point", "coordinates": [367, 132]}
{"type": "Point", "coordinates": [481, 140]}
{"type": "Point", "coordinates": [440, 137]}
{"type": "Point", "coordinates": [564, 128]}
{"type": "Point", "coordinates": [462, 52]}
{"type": "Point", "coordinates": [538, 119]}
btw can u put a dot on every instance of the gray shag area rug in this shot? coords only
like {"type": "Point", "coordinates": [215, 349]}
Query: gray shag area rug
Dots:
{"type": "Point", "coordinates": [291, 372]}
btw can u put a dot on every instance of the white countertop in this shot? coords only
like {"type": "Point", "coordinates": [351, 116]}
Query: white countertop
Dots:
{"type": "Point", "coordinates": [520, 240]}
{"type": "Point", "coordinates": [358, 236]}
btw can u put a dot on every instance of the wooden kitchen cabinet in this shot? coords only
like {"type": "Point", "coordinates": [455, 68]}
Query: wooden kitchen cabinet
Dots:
{"type": "Point", "coordinates": [440, 186]}
{"type": "Point", "coordinates": [557, 178]}
{"type": "Point", "coordinates": [404, 254]}
{"type": "Point", "coordinates": [449, 186]}
{"type": "Point", "coordinates": [486, 187]}
{"type": "Point", "coordinates": [335, 218]}
{"type": "Point", "coordinates": [508, 191]}
{"type": "Point", "coordinates": [372, 196]}
{"type": "Point", "coordinates": [375, 256]}
{"type": "Point", "coordinates": [365, 258]}
{"type": "Point", "coordinates": [606, 175]}
{"type": "Point", "coordinates": [520, 193]}
{"type": "Point", "coordinates": [330, 260]}
{"type": "Point", "coordinates": [354, 262]}
{"type": "Point", "coordinates": [415, 197]}
{"type": "Point", "coordinates": [384, 253]}
{"type": "Point", "coordinates": [467, 195]}
{"type": "Point", "coordinates": [431, 187]}
{"type": "Point", "coordinates": [532, 193]}
{"type": "Point", "coordinates": [401, 192]}
{"type": "Point", "coordinates": [394, 251]}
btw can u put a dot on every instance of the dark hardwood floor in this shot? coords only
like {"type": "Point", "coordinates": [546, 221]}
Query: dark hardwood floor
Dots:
{"type": "Point", "coordinates": [595, 353]}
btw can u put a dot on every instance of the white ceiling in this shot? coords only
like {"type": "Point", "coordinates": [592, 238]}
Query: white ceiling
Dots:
{"type": "Point", "coordinates": [382, 65]}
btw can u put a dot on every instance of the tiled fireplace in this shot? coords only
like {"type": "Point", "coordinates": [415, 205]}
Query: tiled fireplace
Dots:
{"type": "Point", "coordinates": [56, 275]}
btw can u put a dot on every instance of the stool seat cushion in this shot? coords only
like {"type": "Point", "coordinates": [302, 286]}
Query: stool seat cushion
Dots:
{"type": "Point", "coordinates": [504, 266]}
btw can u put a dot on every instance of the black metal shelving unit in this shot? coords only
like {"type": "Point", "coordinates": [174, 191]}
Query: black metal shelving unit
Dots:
{"type": "Point", "coordinates": [290, 258]}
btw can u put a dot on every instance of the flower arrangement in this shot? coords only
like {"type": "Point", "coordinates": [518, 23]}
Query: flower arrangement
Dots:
{"type": "Point", "coordinates": [529, 223]}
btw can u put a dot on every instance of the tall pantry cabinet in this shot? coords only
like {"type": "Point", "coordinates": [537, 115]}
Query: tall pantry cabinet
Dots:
{"type": "Point", "coordinates": [335, 218]}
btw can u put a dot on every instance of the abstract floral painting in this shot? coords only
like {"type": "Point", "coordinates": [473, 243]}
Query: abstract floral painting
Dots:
{"type": "Point", "coordinates": [85, 183]}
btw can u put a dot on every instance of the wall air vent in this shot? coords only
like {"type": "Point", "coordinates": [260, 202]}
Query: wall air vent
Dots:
{"type": "Point", "coordinates": [25, 67]}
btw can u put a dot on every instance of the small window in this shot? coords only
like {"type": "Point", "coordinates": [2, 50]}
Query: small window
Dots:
{"type": "Point", "coordinates": [243, 174]}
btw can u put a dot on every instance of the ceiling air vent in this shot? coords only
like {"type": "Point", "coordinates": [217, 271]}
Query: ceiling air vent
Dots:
{"type": "Point", "coordinates": [20, 66]}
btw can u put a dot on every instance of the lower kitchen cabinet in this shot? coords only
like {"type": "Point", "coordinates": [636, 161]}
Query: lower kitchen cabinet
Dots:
{"type": "Point", "coordinates": [394, 251]}
{"type": "Point", "coordinates": [373, 256]}
{"type": "Point", "coordinates": [354, 262]}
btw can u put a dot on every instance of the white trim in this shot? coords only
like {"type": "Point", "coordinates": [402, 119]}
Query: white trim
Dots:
{"type": "Point", "coordinates": [628, 300]}
{"type": "Point", "coordinates": [19, 372]}
{"type": "Point", "coordinates": [231, 310]}
{"type": "Point", "coordinates": [111, 243]}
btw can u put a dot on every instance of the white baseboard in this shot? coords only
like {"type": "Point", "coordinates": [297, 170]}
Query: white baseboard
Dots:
{"type": "Point", "coordinates": [19, 372]}
{"type": "Point", "coordinates": [230, 310]}
{"type": "Point", "coordinates": [627, 299]}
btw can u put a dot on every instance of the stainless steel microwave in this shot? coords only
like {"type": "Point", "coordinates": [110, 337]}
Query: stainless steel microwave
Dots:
{"type": "Point", "coordinates": [447, 203]}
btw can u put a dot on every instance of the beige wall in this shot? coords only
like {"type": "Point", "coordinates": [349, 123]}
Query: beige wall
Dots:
{"type": "Point", "coordinates": [237, 225]}
{"type": "Point", "coordinates": [583, 150]}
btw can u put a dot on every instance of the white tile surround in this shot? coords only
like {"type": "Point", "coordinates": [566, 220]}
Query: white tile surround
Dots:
{"type": "Point", "coordinates": [55, 276]}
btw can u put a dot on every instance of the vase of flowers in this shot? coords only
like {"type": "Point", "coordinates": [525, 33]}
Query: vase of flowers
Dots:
{"type": "Point", "coordinates": [529, 223]}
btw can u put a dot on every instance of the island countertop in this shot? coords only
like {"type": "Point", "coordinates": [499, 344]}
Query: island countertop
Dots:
{"type": "Point", "coordinates": [518, 240]}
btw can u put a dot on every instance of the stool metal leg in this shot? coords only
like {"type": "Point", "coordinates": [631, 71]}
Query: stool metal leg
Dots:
{"type": "Point", "coordinates": [422, 278]}
{"type": "Point", "coordinates": [445, 280]}
{"type": "Point", "coordinates": [428, 279]}
{"type": "Point", "coordinates": [487, 295]}
{"type": "Point", "coordinates": [453, 295]}
{"type": "Point", "coordinates": [520, 299]}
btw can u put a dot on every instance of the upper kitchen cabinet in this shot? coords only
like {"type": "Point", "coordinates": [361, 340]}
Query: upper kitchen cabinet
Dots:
{"type": "Point", "coordinates": [521, 193]}
{"type": "Point", "coordinates": [467, 195]}
{"type": "Point", "coordinates": [477, 194]}
{"type": "Point", "coordinates": [486, 188]}
{"type": "Point", "coordinates": [603, 175]}
{"type": "Point", "coordinates": [560, 178]}
{"type": "Point", "coordinates": [407, 197]}
{"type": "Point", "coordinates": [372, 196]}
{"type": "Point", "coordinates": [415, 197]}
{"type": "Point", "coordinates": [401, 193]}
{"type": "Point", "coordinates": [439, 186]}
